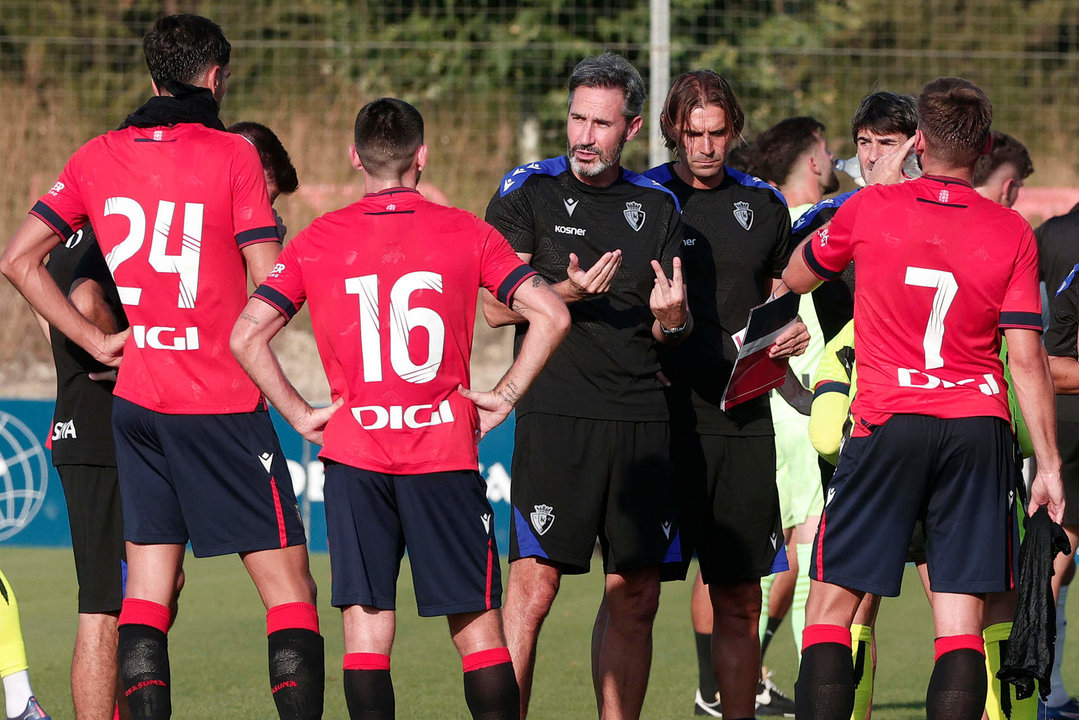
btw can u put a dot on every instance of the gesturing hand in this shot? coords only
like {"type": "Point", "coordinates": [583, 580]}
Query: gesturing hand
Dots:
{"type": "Point", "coordinates": [597, 279]}
{"type": "Point", "coordinates": [668, 298]}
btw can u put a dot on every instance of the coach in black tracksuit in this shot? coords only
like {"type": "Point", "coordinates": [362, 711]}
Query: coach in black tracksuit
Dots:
{"type": "Point", "coordinates": [591, 452]}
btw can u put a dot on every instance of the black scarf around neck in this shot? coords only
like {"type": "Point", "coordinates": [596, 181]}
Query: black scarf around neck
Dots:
{"type": "Point", "coordinates": [186, 104]}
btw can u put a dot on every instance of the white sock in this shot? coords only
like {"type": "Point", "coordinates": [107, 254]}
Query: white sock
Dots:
{"type": "Point", "coordinates": [17, 692]}
{"type": "Point", "coordinates": [1058, 696]}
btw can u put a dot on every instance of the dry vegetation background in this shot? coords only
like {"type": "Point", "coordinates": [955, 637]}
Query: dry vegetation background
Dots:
{"type": "Point", "coordinates": [466, 165]}
{"type": "Point", "coordinates": [489, 77]}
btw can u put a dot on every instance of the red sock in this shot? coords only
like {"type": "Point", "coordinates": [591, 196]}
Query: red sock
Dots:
{"type": "Point", "coordinates": [958, 642]}
{"type": "Point", "coordinates": [299, 615]}
{"type": "Point", "coordinates": [490, 685]}
{"type": "Point", "coordinates": [485, 659]}
{"type": "Point", "coordinates": [145, 612]}
{"type": "Point", "coordinates": [366, 661]}
{"type": "Point", "coordinates": [816, 634]}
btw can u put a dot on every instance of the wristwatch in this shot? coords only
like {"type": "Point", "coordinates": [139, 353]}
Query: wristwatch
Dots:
{"type": "Point", "coordinates": [672, 332]}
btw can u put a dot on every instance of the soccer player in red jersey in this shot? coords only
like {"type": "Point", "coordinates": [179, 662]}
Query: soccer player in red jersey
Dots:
{"type": "Point", "coordinates": [941, 272]}
{"type": "Point", "coordinates": [392, 281]}
{"type": "Point", "coordinates": [183, 217]}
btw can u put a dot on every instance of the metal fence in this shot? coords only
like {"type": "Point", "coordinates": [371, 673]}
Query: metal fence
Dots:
{"type": "Point", "coordinates": [489, 75]}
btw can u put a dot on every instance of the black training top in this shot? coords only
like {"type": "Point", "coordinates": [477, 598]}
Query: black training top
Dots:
{"type": "Point", "coordinates": [833, 300]}
{"type": "Point", "coordinates": [737, 239]}
{"type": "Point", "coordinates": [606, 367]}
{"type": "Point", "coordinates": [1058, 253]}
{"type": "Point", "coordinates": [82, 421]}
{"type": "Point", "coordinates": [1058, 249]}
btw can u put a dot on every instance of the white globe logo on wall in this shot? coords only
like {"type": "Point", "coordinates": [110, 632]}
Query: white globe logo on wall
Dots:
{"type": "Point", "coordinates": [24, 475]}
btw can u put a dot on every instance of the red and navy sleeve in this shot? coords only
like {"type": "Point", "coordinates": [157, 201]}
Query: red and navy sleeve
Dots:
{"type": "Point", "coordinates": [62, 208]}
{"type": "Point", "coordinates": [1022, 306]}
{"type": "Point", "coordinates": [501, 270]}
{"type": "Point", "coordinates": [283, 288]}
{"type": "Point", "coordinates": [829, 249]}
{"type": "Point", "coordinates": [252, 218]}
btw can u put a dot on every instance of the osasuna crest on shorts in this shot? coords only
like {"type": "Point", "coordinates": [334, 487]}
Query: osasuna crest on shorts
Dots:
{"type": "Point", "coordinates": [542, 518]}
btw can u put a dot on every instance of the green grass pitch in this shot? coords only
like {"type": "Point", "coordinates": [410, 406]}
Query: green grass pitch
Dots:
{"type": "Point", "coordinates": [218, 650]}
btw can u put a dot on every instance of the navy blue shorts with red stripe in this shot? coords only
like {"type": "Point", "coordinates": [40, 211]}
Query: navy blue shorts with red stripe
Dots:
{"type": "Point", "coordinates": [220, 481]}
{"type": "Point", "coordinates": [444, 520]}
{"type": "Point", "coordinates": [959, 475]}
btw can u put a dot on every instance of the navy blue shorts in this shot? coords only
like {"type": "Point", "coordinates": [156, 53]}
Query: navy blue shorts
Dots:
{"type": "Point", "coordinates": [220, 481]}
{"type": "Point", "coordinates": [959, 475]}
{"type": "Point", "coordinates": [443, 518]}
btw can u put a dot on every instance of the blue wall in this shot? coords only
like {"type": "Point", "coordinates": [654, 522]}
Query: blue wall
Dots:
{"type": "Point", "coordinates": [32, 509]}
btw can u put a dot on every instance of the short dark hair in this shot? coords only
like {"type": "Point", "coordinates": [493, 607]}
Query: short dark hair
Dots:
{"type": "Point", "coordinates": [610, 70]}
{"type": "Point", "coordinates": [780, 146]}
{"type": "Point", "coordinates": [183, 47]}
{"type": "Point", "coordinates": [1006, 150]}
{"type": "Point", "coordinates": [743, 157]}
{"type": "Point", "coordinates": [388, 132]}
{"type": "Point", "coordinates": [954, 116]}
{"type": "Point", "coordinates": [885, 113]}
{"type": "Point", "coordinates": [696, 89]}
{"type": "Point", "coordinates": [274, 156]}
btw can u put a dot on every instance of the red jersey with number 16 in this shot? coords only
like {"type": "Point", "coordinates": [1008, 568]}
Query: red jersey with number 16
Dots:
{"type": "Point", "coordinates": [172, 206]}
{"type": "Point", "coordinates": [940, 271]}
{"type": "Point", "coordinates": [393, 281]}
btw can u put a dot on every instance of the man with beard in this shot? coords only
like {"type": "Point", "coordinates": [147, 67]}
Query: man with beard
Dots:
{"type": "Point", "coordinates": [737, 241]}
{"type": "Point", "coordinates": [591, 448]}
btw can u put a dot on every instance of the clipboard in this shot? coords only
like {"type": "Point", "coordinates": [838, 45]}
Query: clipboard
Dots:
{"type": "Point", "coordinates": [754, 372]}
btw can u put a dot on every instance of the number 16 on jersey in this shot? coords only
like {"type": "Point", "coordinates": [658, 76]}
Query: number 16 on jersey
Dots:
{"type": "Point", "coordinates": [403, 319]}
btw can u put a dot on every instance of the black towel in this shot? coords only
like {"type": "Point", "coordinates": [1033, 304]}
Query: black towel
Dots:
{"type": "Point", "coordinates": [186, 104]}
{"type": "Point", "coordinates": [1034, 630]}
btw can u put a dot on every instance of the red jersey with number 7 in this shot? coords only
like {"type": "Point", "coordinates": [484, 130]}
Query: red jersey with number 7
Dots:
{"type": "Point", "coordinates": [172, 206]}
{"type": "Point", "coordinates": [939, 271]}
{"type": "Point", "coordinates": [392, 281]}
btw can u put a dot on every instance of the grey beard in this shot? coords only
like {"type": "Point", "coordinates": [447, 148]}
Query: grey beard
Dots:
{"type": "Point", "coordinates": [603, 163]}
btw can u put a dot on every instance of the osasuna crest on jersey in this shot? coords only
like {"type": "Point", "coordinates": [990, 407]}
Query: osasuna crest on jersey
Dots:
{"type": "Point", "coordinates": [743, 214]}
{"type": "Point", "coordinates": [634, 215]}
{"type": "Point", "coordinates": [542, 518]}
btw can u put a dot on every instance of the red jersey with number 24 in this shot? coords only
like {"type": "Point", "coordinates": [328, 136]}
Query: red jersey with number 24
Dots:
{"type": "Point", "coordinates": [392, 282]}
{"type": "Point", "coordinates": [940, 271]}
{"type": "Point", "coordinates": [172, 206]}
